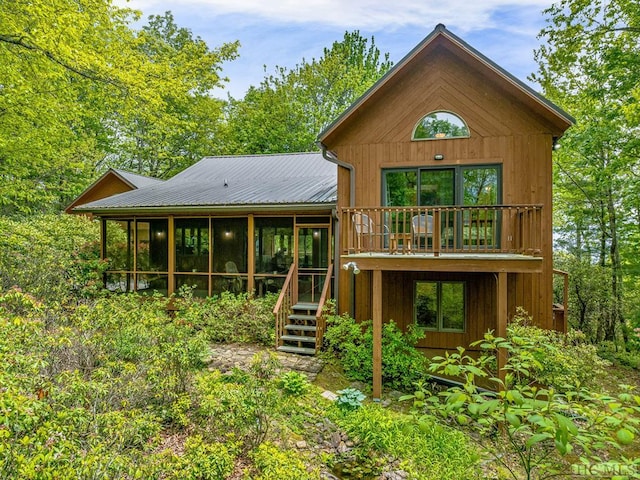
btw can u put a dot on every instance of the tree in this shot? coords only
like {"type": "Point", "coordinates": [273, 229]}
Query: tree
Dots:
{"type": "Point", "coordinates": [589, 66]}
{"type": "Point", "coordinates": [74, 73]}
{"type": "Point", "coordinates": [164, 138]}
{"type": "Point", "coordinates": [290, 108]}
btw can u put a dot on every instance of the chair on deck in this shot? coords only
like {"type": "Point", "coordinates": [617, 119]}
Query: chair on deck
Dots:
{"type": "Point", "coordinates": [366, 234]}
{"type": "Point", "coordinates": [234, 282]}
{"type": "Point", "coordinates": [422, 228]}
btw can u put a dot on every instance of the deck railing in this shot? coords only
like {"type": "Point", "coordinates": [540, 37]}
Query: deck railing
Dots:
{"type": "Point", "coordinates": [287, 298]}
{"type": "Point", "coordinates": [443, 229]}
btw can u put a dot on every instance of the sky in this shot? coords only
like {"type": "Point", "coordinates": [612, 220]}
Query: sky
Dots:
{"type": "Point", "coordinates": [284, 32]}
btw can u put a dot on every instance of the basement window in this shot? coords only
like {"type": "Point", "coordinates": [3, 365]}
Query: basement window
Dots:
{"type": "Point", "coordinates": [440, 306]}
{"type": "Point", "coordinates": [440, 125]}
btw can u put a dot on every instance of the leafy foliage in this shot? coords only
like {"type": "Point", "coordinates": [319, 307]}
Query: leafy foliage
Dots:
{"type": "Point", "coordinates": [83, 84]}
{"type": "Point", "coordinates": [352, 344]}
{"type": "Point", "coordinates": [350, 398]}
{"type": "Point", "coordinates": [290, 108]}
{"type": "Point", "coordinates": [589, 66]}
{"type": "Point", "coordinates": [429, 450]}
{"type": "Point", "coordinates": [54, 257]}
{"type": "Point", "coordinates": [230, 318]}
{"type": "Point", "coordinates": [273, 463]}
{"type": "Point", "coordinates": [534, 424]}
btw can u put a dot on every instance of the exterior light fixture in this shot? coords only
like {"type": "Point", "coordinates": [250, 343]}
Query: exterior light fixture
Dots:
{"type": "Point", "coordinates": [351, 266]}
{"type": "Point", "coordinates": [438, 156]}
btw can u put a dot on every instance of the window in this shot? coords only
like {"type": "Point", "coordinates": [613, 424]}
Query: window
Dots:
{"type": "Point", "coordinates": [440, 306]}
{"type": "Point", "coordinates": [440, 125]}
{"type": "Point", "coordinates": [138, 255]}
{"type": "Point", "coordinates": [468, 186]}
{"type": "Point", "coordinates": [460, 185]}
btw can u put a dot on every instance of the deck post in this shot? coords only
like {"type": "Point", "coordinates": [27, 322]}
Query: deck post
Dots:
{"type": "Point", "coordinates": [377, 334]}
{"type": "Point", "coordinates": [501, 289]}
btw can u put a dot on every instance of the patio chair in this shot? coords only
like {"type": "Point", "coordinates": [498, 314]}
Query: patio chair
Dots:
{"type": "Point", "coordinates": [366, 234]}
{"type": "Point", "coordinates": [422, 230]}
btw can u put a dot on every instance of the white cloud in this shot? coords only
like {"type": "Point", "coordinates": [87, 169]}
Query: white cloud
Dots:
{"type": "Point", "coordinates": [463, 15]}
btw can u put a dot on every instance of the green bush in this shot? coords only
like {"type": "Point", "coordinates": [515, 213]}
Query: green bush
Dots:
{"type": "Point", "coordinates": [352, 344]}
{"type": "Point", "coordinates": [274, 463]}
{"type": "Point", "coordinates": [555, 359]}
{"type": "Point", "coordinates": [538, 427]}
{"type": "Point", "coordinates": [621, 356]}
{"type": "Point", "coordinates": [294, 383]}
{"type": "Point", "coordinates": [428, 449]}
{"type": "Point", "coordinates": [350, 399]}
{"type": "Point", "coordinates": [54, 257]}
{"type": "Point", "coordinates": [231, 318]}
{"type": "Point", "coordinates": [205, 461]}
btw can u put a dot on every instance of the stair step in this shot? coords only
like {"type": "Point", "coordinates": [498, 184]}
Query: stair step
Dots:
{"type": "Point", "coordinates": [302, 328]}
{"type": "Point", "coordinates": [298, 350]}
{"type": "Point", "coordinates": [298, 338]}
{"type": "Point", "coordinates": [297, 316]}
{"type": "Point", "coordinates": [305, 306]}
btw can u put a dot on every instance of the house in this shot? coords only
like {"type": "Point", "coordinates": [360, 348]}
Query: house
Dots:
{"type": "Point", "coordinates": [430, 203]}
{"type": "Point", "coordinates": [113, 181]}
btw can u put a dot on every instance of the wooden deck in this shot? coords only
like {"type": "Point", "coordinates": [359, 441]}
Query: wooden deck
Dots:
{"type": "Point", "coordinates": [447, 262]}
{"type": "Point", "coordinates": [459, 230]}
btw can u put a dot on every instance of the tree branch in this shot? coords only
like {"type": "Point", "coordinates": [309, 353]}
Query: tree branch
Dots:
{"type": "Point", "coordinates": [89, 75]}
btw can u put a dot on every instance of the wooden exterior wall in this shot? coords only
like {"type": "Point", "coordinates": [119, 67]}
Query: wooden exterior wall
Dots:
{"type": "Point", "coordinates": [108, 186]}
{"type": "Point", "coordinates": [503, 131]}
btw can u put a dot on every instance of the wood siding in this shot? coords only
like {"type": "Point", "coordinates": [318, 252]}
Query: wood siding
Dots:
{"type": "Point", "coordinates": [504, 130]}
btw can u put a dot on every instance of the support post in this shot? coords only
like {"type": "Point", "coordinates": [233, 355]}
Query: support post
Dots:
{"type": "Point", "coordinates": [501, 330]}
{"type": "Point", "coordinates": [377, 334]}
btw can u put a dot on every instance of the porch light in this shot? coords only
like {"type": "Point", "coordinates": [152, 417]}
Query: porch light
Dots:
{"type": "Point", "coordinates": [353, 266]}
{"type": "Point", "coordinates": [438, 156]}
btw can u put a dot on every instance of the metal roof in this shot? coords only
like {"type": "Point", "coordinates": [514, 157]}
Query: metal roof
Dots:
{"type": "Point", "coordinates": [280, 179]}
{"type": "Point", "coordinates": [136, 180]}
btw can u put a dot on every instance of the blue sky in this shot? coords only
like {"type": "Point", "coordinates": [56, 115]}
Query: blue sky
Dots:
{"type": "Point", "coordinates": [283, 32]}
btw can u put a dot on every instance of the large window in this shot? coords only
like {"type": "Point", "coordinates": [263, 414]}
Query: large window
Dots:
{"type": "Point", "coordinates": [467, 186]}
{"type": "Point", "coordinates": [440, 306]}
{"type": "Point", "coordinates": [461, 185]}
{"type": "Point", "coordinates": [137, 251]}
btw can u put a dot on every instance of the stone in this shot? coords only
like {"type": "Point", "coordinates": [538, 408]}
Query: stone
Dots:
{"type": "Point", "coordinates": [301, 444]}
{"type": "Point", "coordinates": [329, 395]}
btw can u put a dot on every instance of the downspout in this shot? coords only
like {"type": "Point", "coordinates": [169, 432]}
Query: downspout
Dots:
{"type": "Point", "coordinates": [331, 157]}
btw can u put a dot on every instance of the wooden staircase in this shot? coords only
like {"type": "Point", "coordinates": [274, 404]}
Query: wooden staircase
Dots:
{"type": "Point", "coordinates": [300, 326]}
{"type": "Point", "coordinates": [300, 330]}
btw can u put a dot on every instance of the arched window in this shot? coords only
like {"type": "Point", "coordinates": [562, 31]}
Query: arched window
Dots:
{"type": "Point", "coordinates": [440, 124]}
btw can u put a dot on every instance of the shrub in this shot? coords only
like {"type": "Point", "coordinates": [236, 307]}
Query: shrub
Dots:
{"type": "Point", "coordinates": [294, 383]}
{"type": "Point", "coordinates": [428, 450]}
{"type": "Point", "coordinates": [554, 359]}
{"type": "Point", "coordinates": [231, 318]}
{"type": "Point", "coordinates": [205, 461]}
{"type": "Point", "coordinates": [350, 399]}
{"type": "Point", "coordinates": [54, 257]}
{"type": "Point", "coordinates": [273, 463]}
{"type": "Point", "coordinates": [537, 426]}
{"type": "Point", "coordinates": [240, 405]}
{"type": "Point", "coordinates": [352, 344]}
{"type": "Point", "coordinates": [613, 353]}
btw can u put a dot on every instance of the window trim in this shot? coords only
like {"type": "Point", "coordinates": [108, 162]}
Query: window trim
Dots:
{"type": "Point", "coordinates": [458, 184]}
{"type": "Point", "coordinates": [439, 320]}
{"type": "Point", "coordinates": [419, 122]}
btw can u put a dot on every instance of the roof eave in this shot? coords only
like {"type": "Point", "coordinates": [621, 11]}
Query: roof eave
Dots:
{"type": "Point", "coordinates": [208, 209]}
{"type": "Point", "coordinates": [441, 30]}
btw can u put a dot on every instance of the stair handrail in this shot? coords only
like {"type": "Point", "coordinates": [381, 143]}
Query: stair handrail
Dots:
{"type": "Point", "coordinates": [284, 303]}
{"type": "Point", "coordinates": [320, 320]}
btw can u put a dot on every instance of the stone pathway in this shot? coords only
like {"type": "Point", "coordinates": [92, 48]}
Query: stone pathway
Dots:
{"type": "Point", "coordinates": [225, 357]}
